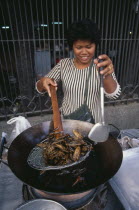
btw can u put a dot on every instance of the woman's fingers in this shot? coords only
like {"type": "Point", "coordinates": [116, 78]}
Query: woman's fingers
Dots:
{"type": "Point", "coordinates": [46, 84]}
{"type": "Point", "coordinates": [107, 70]}
{"type": "Point", "coordinates": [106, 63]}
{"type": "Point", "coordinates": [53, 83]}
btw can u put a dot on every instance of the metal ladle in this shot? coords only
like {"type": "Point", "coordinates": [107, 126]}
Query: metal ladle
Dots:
{"type": "Point", "coordinates": [100, 131]}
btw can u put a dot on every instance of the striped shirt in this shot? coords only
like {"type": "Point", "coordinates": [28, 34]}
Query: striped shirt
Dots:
{"type": "Point", "coordinates": [73, 85]}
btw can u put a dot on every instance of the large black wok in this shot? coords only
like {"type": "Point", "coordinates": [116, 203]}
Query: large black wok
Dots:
{"type": "Point", "coordinates": [94, 171]}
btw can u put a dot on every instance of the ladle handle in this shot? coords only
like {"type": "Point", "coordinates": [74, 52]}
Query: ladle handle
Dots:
{"type": "Point", "coordinates": [56, 114]}
{"type": "Point", "coordinates": [101, 94]}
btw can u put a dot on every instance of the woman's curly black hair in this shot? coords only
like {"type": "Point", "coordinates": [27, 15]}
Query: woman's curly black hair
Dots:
{"type": "Point", "coordinates": [84, 29]}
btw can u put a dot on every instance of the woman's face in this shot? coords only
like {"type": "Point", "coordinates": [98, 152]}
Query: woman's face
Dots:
{"type": "Point", "coordinates": [84, 50]}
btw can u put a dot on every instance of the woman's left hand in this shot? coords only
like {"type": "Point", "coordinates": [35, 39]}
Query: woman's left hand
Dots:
{"type": "Point", "coordinates": [106, 64]}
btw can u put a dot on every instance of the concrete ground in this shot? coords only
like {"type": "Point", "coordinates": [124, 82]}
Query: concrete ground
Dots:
{"type": "Point", "coordinates": [124, 116]}
{"type": "Point", "coordinates": [11, 187]}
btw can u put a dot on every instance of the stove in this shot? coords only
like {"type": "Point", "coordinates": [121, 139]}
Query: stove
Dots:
{"type": "Point", "coordinates": [88, 198]}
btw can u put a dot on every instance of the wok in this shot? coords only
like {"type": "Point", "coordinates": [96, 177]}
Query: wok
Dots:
{"type": "Point", "coordinates": [94, 171]}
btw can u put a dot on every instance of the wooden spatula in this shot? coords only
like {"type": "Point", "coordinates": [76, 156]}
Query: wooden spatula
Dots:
{"type": "Point", "coordinates": [56, 113]}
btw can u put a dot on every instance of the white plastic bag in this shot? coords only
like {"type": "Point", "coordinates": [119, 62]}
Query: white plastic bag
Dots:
{"type": "Point", "coordinates": [21, 124]}
{"type": "Point", "coordinates": [134, 143]}
{"type": "Point", "coordinates": [126, 142]}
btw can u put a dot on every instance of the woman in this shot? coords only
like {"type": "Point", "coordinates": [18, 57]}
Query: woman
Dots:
{"type": "Point", "coordinates": [82, 71]}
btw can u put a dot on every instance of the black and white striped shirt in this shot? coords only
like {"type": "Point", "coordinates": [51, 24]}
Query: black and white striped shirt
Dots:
{"type": "Point", "coordinates": [73, 84]}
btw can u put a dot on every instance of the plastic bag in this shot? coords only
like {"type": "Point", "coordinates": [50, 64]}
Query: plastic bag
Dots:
{"type": "Point", "coordinates": [126, 142]}
{"type": "Point", "coordinates": [21, 124]}
{"type": "Point", "coordinates": [134, 143]}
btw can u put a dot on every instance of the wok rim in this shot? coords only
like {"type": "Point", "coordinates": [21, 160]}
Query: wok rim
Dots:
{"type": "Point", "coordinates": [49, 191]}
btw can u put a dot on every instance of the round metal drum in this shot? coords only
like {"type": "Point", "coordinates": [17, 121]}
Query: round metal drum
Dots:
{"type": "Point", "coordinates": [41, 204]}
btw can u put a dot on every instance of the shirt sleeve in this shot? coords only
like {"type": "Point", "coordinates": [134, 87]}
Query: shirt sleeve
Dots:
{"type": "Point", "coordinates": [55, 73]}
{"type": "Point", "coordinates": [117, 91]}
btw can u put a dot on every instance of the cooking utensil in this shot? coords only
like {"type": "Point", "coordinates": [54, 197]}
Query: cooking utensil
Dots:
{"type": "Point", "coordinates": [108, 160]}
{"type": "Point", "coordinates": [41, 204]}
{"type": "Point", "coordinates": [58, 128]}
{"type": "Point", "coordinates": [36, 159]}
{"type": "Point", "coordinates": [100, 131]}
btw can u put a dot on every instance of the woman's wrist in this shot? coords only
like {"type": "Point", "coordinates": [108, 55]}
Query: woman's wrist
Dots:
{"type": "Point", "coordinates": [39, 87]}
{"type": "Point", "coordinates": [110, 83]}
{"type": "Point", "coordinates": [109, 76]}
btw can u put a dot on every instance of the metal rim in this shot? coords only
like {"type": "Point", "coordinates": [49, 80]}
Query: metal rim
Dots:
{"type": "Point", "coordinates": [40, 200]}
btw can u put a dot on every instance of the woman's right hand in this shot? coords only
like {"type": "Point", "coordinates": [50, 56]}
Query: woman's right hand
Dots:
{"type": "Point", "coordinates": [44, 84]}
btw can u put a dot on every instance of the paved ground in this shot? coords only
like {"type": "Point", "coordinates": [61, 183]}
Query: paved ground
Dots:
{"type": "Point", "coordinates": [11, 187]}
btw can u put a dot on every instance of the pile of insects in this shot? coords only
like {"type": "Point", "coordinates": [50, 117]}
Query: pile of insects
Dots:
{"type": "Point", "coordinates": [64, 149]}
